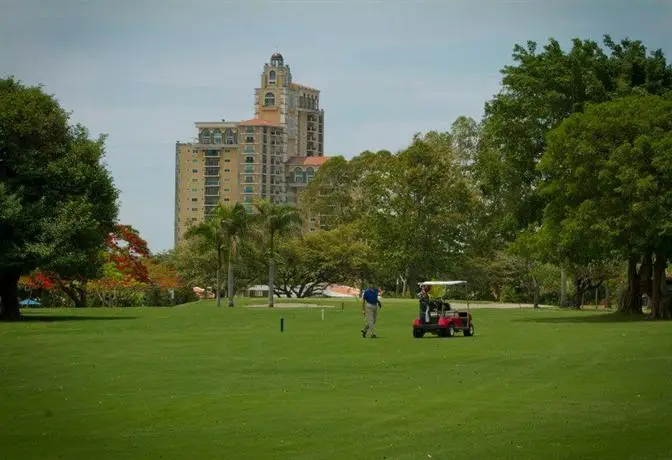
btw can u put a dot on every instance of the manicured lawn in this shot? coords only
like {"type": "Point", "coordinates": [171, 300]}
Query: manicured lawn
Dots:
{"type": "Point", "coordinates": [197, 382]}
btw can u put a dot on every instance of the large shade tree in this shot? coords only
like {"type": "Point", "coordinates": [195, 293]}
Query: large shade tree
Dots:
{"type": "Point", "coordinates": [539, 90]}
{"type": "Point", "coordinates": [411, 208]}
{"type": "Point", "coordinates": [608, 179]}
{"type": "Point", "coordinates": [57, 200]}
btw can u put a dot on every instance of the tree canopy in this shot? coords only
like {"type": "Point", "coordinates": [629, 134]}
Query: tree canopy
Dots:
{"type": "Point", "coordinates": [57, 199]}
{"type": "Point", "coordinates": [608, 181]}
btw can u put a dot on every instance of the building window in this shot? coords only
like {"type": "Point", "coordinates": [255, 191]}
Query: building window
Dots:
{"type": "Point", "coordinates": [194, 199]}
{"type": "Point", "coordinates": [249, 139]}
{"type": "Point", "coordinates": [271, 77]}
{"type": "Point", "coordinates": [227, 199]}
{"type": "Point", "coordinates": [298, 176]}
{"type": "Point", "coordinates": [205, 136]}
{"type": "Point", "coordinates": [217, 137]}
{"type": "Point", "coordinates": [227, 160]}
{"type": "Point", "coordinates": [211, 153]}
{"type": "Point", "coordinates": [194, 209]}
{"type": "Point", "coordinates": [212, 171]}
{"type": "Point", "coordinates": [193, 189]}
{"type": "Point", "coordinates": [269, 100]}
{"type": "Point", "coordinates": [310, 172]}
{"type": "Point", "coordinates": [194, 171]}
{"type": "Point", "coordinates": [249, 189]}
{"type": "Point", "coordinates": [211, 181]}
{"type": "Point", "coordinates": [227, 189]}
{"type": "Point", "coordinates": [249, 168]}
{"type": "Point", "coordinates": [248, 199]}
{"type": "Point", "coordinates": [249, 149]}
{"type": "Point", "coordinates": [212, 162]}
{"type": "Point", "coordinates": [230, 139]}
{"type": "Point", "coordinates": [249, 159]}
{"type": "Point", "coordinates": [249, 179]}
{"type": "Point", "coordinates": [227, 170]}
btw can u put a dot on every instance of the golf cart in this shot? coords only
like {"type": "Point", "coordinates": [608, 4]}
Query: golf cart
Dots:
{"type": "Point", "coordinates": [441, 319]}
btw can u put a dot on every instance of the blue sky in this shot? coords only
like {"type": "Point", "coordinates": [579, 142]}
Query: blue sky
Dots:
{"type": "Point", "coordinates": [143, 71]}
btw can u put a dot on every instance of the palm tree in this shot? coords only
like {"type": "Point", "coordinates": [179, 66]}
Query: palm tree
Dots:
{"type": "Point", "coordinates": [274, 220]}
{"type": "Point", "coordinates": [224, 228]}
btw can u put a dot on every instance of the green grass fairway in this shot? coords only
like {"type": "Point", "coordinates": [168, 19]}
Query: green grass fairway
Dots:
{"type": "Point", "coordinates": [197, 382]}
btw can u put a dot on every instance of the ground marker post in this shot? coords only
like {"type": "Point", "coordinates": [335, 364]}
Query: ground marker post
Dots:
{"type": "Point", "coordinates": [282, 324]}
{"type": "Point", "coordinates": [342, 305]}
{"type": "Point", "coordinates": [323, 314]}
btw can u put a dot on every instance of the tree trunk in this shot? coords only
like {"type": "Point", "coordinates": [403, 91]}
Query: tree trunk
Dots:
{"type": "Point", "coordinates": [218, 283]}
{"type": "Point", "coordinates": [9, 299]}
{"type": "Point", "coordinates": [578, 297]}
{"type": "Point", "coordinates": [659, 308]}
{"type": "Point", "coordinates": [271, 274]}
{"type": "Point", "coordinates": [535, 292]}
{"type": "Point", "coordinates": [76, 294]}
{"type": "Point", "coordinates": [646, 276]}
{"type": "Point", "coordinates": [271, 283]}
{"type": "Point", "coordinates": [229, 286]}
{"type": "Point", "coordinates": [631, 301]}
{"type": "Point", "coordinates": [563, 287]}
{"type": "Point", "coordinates": [411, 278]}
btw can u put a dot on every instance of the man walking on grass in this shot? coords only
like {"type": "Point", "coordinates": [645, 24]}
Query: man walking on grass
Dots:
{"type": "Point", "coordinates": [370, 306]}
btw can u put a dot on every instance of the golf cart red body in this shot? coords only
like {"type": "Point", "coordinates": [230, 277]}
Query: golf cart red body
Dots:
{"type": "Point", "coordinates": [443, 320]}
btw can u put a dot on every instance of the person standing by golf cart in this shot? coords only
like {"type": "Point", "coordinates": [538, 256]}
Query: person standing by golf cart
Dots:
{"type": "Point", "coordinates": [423, 295]}
{"type": "Point", "coordinates": [370, 306]}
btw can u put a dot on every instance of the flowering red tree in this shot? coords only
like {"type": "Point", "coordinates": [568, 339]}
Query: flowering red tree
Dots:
{"type": "Point", "coordinates": [125, 267]}
{"type": "Point", "coordinates": [164, 276]}
{"type": "Point", "coordinates": [37, 281]}
{"type": "Point", "coordinates": [128, 252]}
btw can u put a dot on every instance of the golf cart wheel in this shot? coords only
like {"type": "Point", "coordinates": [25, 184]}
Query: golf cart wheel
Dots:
{"type": "Point", "coordinates": [469, 332]}
{"type": "Point", "coordinates": [449, 331]}
{"type": "Point", "coordinates": [418, 332]}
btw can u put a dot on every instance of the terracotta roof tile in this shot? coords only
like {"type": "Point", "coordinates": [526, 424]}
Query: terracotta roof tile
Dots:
{"type": "Point", "coordinates": [258, 122]}
{"type": "Point", "coordinates": [314, 161]}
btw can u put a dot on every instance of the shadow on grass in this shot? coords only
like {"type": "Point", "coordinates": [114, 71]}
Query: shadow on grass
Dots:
{"type": "Point", "coordinates": [59, 318]}
{"type": "Point", "coordinates": [587, 317]}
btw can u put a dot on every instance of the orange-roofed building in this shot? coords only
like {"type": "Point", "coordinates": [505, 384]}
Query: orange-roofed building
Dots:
{"type": "Point", "coordinates": [271, 156]}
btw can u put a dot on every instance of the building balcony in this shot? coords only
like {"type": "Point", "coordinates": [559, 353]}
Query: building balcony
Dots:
{"type": "Point", "coordinates": [223, 143]}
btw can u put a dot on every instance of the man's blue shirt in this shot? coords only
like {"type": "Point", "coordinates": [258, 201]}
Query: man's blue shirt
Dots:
{"type": "Point", "coordinates": [371, 296]}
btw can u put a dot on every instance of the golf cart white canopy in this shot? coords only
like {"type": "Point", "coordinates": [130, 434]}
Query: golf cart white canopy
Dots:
{"type": "Point", "coordinates": [441, 283]}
